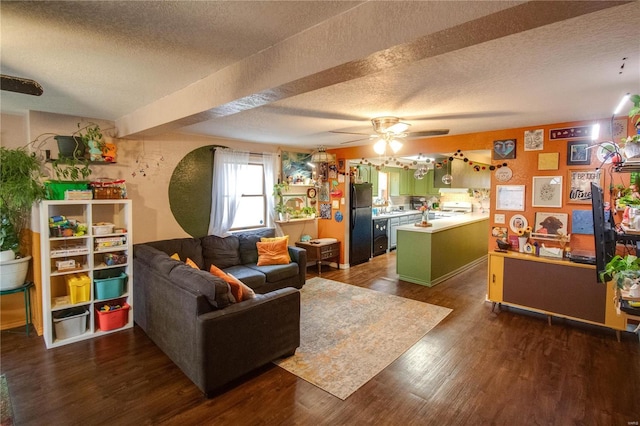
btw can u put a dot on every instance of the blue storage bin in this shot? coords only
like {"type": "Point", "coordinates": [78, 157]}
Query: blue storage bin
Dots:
{"type": "Point", "coordinates": [109, 288]}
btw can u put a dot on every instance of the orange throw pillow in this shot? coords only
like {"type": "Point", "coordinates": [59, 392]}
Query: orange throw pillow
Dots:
{"type": "Point", "coordinates": [268, 239]}
{"type": "Point", "coordinates": [191, 263]}
{"type": "Point", "coordinates": [247, 292]}
{"type": "Point", "coordinates": [273, 253]}
{"type": "Point", "coordinates": [236, 288]}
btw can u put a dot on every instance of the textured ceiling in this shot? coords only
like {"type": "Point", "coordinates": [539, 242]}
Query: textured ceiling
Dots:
{"type": "Point", "coordinates": [291, 72]}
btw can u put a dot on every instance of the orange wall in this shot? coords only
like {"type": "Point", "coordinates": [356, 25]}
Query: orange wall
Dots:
{"type": "Point", "coordinates": [524, 167]}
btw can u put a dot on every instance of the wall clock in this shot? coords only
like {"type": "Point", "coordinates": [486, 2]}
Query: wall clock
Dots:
{"type": "Point", "coordinates": [311, 193]}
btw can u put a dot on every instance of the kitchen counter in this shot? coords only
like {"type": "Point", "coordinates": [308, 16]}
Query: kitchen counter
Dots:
{"type": "Point", "coordinates": [444, 223]}
{"type": "Point", "coordinates": [451, 245]}
{"type": "Point", "coordinates": [398, 213]}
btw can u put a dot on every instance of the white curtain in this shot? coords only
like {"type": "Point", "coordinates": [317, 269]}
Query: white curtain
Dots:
{"type": "Point", "coordinates": [269, 164]}
{"type": "Point", "coordinates": [228, 168]}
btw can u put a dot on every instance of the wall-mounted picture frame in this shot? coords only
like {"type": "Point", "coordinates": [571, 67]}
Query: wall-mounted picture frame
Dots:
{"type": "Point", "coordinates": [551, 224]}
{"type": "Point", "coordinates": [548, 161]}
{"type": "Point", "coordinates": [504, 149]}
{"type": "Point", "coordinates": [579, 185]}
{"type": "Point", "coordinates": [578, 153]}
{"type": "Point", "coordinates": [534, 140]}
{"type": "Point", "coordinates": [510, 197]}
{"type": "Point", "coordinates": [516, 222]}
{"type": "Point", "coordinates": [547, 191]}
{"type": "Point", "coordinates": [295, 165]}
{"type": "Point", "coordinates": [570, 133]}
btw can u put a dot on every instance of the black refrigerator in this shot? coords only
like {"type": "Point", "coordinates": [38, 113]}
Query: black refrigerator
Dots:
{"type": "Point", "coordinates": [360, 227]}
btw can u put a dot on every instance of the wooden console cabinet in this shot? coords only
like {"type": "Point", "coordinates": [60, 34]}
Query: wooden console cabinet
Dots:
{"type": "Point", "coordinates": [554, 287]}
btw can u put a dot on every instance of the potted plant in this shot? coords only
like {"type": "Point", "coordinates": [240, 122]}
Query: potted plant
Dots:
{"type": "Point", "coordinates": [20, 188]}
{"type": "Point", "coordinates": [309, 212]}
{"type": "Point", "coordinates": [623, 271]}
{"type": "Point", "coordinates": [92, 138]}
{"type": "Point", "coordinates": [632, 143]}
{"type": "Point", "coordinates": [281, 209]}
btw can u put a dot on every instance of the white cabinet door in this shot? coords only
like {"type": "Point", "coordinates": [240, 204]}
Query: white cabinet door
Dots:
{"type": "Point", "coordinates": [393, 232]}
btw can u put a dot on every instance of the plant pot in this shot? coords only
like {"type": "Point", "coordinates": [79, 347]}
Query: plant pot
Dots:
{"type": "Point", "coordinates": [70, 146]}
{"type": "Point", "coordinates": [13, 273]}
{"type": "Point", "coordinates": [7, 255]}
{"type": "Point", "coordinates": [521, 242]}
{"type": "Point", "coordinates": [632, 150]}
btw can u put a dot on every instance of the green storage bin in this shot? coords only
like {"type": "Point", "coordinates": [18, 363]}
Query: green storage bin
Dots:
{"type": "Point", "coordinates": [110, 288]}
{"type": "Point", "coordinates": [55, 189]}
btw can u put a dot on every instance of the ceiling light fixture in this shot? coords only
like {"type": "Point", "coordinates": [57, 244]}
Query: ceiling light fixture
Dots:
{"type": "Point", "coordinates": [321, 156]}
{"type": "Point", "coordinates": [388, 139]}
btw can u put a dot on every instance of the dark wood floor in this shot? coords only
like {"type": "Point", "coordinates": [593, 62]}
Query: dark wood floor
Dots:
{"type": "Point", "coordinates": [475, 367]}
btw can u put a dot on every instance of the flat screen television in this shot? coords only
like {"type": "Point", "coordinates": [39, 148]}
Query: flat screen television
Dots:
{"type": "Point", "coordinates": [603, 231]}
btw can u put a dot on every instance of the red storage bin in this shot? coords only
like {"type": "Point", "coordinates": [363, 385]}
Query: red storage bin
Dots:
{"type": "Point", "coordinates": [110, 320]}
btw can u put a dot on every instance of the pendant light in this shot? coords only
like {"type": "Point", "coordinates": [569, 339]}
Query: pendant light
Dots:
{"type": "Point", "coordinates": [446, 179]}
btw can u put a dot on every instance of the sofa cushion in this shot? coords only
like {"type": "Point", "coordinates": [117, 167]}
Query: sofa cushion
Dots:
{"type": "Point", "coordinates": [184, 247]}
{"type": "Point", "coordinates": [214, 289]}
{"type": "Point", "coordinates": [222, 252]}
{"type": "Point", "coordinates": [155, 258]}
{"type": "Point", "coordinates": [251, 277]}
{"type": "Point", "coordinates": [248, 240]}
{"type": "Point", "coordinates": [273, 253]}
{"type": "Point", "coordinates": [275, 273]}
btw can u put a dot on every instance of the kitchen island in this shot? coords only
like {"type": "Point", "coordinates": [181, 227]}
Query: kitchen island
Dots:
{"type": "Point", "coordinates": [430, 255]}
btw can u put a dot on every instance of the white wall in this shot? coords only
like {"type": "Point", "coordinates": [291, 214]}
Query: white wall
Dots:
{"type": "Point", "coordinates": [146, 164]}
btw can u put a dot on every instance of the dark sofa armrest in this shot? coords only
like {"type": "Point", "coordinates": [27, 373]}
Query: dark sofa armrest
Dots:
{"type": "Point", "coordinates": [299, 255]}
{"type": "Point", "coordinates": [236, 340]}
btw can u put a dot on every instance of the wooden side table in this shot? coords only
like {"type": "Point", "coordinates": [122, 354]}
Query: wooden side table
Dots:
{"type": "Point", "coordinates": [321, 251]}
{"type": "Point", "coordinates": [27, 300]}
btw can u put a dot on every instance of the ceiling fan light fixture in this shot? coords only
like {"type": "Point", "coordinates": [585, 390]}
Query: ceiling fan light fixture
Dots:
{"type": "Point", "coordinates": [395, 145]}
{"type": "Point", "coordinates": [380, 146]}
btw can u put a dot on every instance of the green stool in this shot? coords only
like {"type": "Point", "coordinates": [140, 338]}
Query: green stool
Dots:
{"type": "Point", "coordinates": [27, 300]}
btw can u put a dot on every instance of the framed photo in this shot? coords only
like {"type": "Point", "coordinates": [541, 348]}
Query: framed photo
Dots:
{"type": "Point", "coordinates": [547, 191]}
{"type": "Point", "coordinates": [516, 222]}
{"type": "Point", "coordinates": [504, 149]}
{"type": "Point", "coordinates": [578, 153]}
{"type": "Point", "coordinates": [510, 197]}
{"type": "Point", "coordinates": [551, 224]}
{"type": "Point", "coordinates": [579, 187]}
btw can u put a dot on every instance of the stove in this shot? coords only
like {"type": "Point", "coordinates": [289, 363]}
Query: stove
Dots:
{"type": "Point", "coordinates": [455, 208]}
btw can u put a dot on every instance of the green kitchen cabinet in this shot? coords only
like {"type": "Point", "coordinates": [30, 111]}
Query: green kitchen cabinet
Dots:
{"type": "Point", "coordinates": [394, 182]}
{"type": "Point", "coordinates": [421, 186]}
{"type": "Point", "coordinates": [406, 182]}
{"type": "Point", "coordinates": [374, 180]}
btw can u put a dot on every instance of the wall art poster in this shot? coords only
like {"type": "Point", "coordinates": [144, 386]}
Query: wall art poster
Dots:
{"type": "Point", "coordinates": [582, 222]}
{"type": "Point", "coordinates": [510, 197]}
{"type": "Point", "coordinates": [325, 211]}
{"type": "Point", "coordinates": [547, 191]}
{"type": "Point", "coordinates": [534, 140]}
{"type": "Point", "coordinates": [551, 224]}
{"type": "Point", "coordinates": [570, 133]}
{"type": "Point", "coordinates": [580, 185]}
{"type": "Point", "coordinates": [504, 149]}
{"type": "Point", "coordinates": [294, 165]}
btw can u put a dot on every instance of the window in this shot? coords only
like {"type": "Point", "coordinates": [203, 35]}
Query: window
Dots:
{"type": "Point", "coordinates": [253, 203]}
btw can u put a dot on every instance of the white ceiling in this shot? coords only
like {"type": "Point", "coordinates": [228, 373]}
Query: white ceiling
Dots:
{"type": "Point", "coordinates": [292, 72]}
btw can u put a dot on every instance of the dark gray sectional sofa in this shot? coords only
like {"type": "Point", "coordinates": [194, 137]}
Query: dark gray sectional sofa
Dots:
{"type": "Point", "coordinates": [191, 315]}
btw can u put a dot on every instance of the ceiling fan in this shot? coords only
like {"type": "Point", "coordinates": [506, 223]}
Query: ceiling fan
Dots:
{"type": "Point", "coordinates": [389, 128]}
{"type": "Point", "coordinates": [20, 85]}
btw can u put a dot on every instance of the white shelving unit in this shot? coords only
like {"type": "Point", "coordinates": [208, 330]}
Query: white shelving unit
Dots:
{"type": "Point", "coordinates": [89, 257]}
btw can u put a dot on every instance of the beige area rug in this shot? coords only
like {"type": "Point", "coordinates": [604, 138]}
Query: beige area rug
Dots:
{"type": "Point", "coordinates": [349, 334]}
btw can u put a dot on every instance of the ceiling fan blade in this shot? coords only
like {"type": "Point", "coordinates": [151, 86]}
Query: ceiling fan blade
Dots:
{"type": "Point", "coordinates": [20, 85]}
{"type": "Point", "coordinates": [355, 140]}
{"type": "Point", "coordinates": [347, 133]}
{"type": "Point", "coordinates": [437, 132]}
